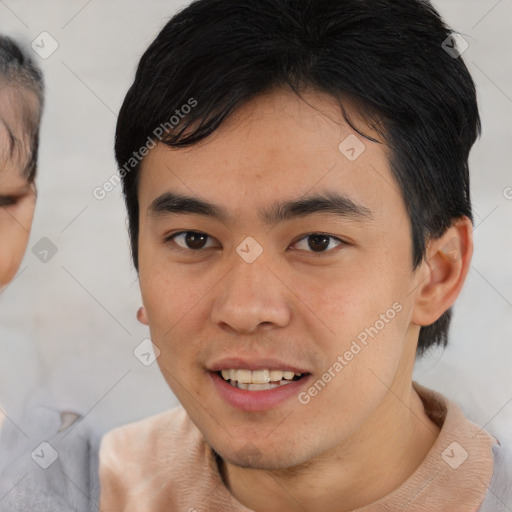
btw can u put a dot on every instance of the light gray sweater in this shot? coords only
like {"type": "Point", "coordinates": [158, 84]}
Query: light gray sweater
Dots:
{"type": "Point", "coordinates": [48, 462]}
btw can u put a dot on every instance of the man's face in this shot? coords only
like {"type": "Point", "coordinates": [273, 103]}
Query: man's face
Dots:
{"type": "Point", "coordinates": [303, 304]}
{"type": "Point", "coordinates": [17, 195]}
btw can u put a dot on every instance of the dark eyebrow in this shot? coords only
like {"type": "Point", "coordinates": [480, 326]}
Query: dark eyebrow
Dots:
{"type": "Point", "coordinates": [327, 202]}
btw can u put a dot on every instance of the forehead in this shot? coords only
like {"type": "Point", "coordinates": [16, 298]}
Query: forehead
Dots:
{"type": "Point", "coordinates": [278, 145]}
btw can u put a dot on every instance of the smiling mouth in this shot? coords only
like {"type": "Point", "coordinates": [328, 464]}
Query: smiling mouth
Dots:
{"type": "Point", "coordinates": [259, 380]}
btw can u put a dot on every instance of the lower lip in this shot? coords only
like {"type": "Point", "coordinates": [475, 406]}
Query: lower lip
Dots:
{"type": "Point", "coordinates": [254, 401]}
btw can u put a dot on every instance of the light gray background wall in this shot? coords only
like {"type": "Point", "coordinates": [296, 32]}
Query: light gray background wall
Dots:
{"type": "Point", "coordinates": [68, 327]}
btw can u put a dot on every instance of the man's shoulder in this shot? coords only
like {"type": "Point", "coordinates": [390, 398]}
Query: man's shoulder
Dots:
{"type": "Point", "coordinates": [163, 426]}
{"type": "Point", "coordinates": [148, 454]}
{"type": "Point", "coordinates": [169, 432]}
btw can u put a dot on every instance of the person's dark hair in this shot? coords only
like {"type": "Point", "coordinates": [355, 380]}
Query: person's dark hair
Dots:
{"type": "Point", "coordinates": [384, 55]}
{"type": "Point", "coordinates": [17, 70]}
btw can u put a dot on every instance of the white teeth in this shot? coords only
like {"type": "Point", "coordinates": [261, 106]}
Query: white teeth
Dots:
{"type": "Point", "coordinates": [260, 376]}
{"type": "Point", "coordinates": [276, 375]}
{"type": "Point", "coordinates": [244, 376]}
{"type": "Point", "coordinates": [258, 380]}
{"type": "Point", "coordinates": [258, 387]}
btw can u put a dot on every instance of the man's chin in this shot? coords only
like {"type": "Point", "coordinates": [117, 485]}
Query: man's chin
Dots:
{"type": "Point", "coordinates": [250, 456]}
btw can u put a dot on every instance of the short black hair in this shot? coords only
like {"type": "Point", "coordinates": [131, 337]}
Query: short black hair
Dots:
{"type": "Point", "coordinates": [388, 56]}
{"type": "Point", "coordinates": [18, 70]}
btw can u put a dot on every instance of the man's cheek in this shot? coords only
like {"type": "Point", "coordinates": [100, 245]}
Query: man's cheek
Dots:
{"type": "Point", "coordinates": [157, 299]}
{"type": "Point", "coordinates": [174, 370]}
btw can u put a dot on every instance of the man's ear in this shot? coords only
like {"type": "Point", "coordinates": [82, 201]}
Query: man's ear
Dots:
{"type": "Point", "coordinates": [142, 316]}
{"type": "Point", "coordinates": [443, 272]}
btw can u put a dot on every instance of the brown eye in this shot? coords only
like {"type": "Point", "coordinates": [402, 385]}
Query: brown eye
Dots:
{"type": "Point", "coordinates": [195, 240]}
{"type": "Point", "coordinates": [192, 239]}
{"type": "Point", "coordinates": [319, 242]}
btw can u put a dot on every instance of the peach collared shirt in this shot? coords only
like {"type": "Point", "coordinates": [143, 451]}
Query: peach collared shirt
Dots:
{"type": "Point", "coordinates": [163, 463]}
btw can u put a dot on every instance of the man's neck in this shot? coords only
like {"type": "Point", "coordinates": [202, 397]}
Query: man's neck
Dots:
{"type": "Point", "coordinates": [372, 463]}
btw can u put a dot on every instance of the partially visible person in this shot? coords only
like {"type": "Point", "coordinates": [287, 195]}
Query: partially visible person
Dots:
{"type": "Point", "coordinates": [47, 457]}
{"type": "Point", "coordinates": [21, 101]}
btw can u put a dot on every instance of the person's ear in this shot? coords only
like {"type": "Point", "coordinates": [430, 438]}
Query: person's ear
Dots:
{"type": "Point", "coordinates": [142, 316]}
{"type": "Point", "coordinates": [443, 272]}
